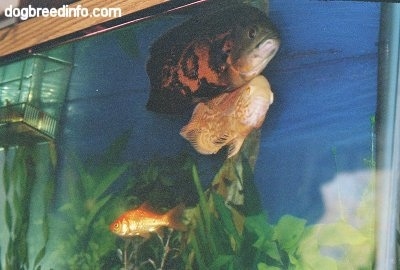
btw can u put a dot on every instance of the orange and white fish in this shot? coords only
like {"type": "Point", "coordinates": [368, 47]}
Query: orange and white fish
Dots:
{"type": "Point", "coordinates": [229, 118]}
{"type": "Point", "coordinates": [144, 220]}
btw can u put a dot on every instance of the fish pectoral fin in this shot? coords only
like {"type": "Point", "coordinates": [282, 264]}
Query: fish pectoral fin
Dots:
{"type": "Point", "coordinates": [222, 139]}
{"type": "Point", "coordinates": [234, 147]}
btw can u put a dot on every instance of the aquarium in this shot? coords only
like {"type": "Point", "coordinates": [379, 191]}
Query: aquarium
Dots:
{"type": "Point", "coordinates": [204, 135]}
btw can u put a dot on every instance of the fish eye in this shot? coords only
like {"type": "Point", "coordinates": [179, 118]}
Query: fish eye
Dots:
{"type": "Point", "coordinates": [252, 33]}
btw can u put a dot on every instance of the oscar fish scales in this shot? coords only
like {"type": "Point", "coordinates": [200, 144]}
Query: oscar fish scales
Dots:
{"type": "Point", "coordinates": [209, 55]}
{"type": "Point", "coordinates": [227, 119]}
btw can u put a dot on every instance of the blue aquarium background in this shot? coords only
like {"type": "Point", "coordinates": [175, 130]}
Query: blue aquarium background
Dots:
{"type": "Point", "coordinates": [316, 146]}
{"type": "Point", "coordinates": [324, 79]}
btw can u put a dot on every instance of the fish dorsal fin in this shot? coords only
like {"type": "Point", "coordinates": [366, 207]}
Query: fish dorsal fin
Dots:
{"type": "Point", "coordinates": [146, 207]}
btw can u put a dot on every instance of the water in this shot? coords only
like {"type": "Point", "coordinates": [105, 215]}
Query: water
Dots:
{"type": "Point", "coordinates": [312, 178]}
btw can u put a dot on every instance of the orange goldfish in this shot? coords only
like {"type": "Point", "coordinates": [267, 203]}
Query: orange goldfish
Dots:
{"type": "Point", "coordinates": [143, 220]}
{"type": "Point", "coordinates": [229, 118]}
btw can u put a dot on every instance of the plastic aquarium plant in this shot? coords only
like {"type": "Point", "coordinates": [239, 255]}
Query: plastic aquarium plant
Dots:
{"type": "Point", "coordinates": [83, 218]}
{"type": "Point", "coordinates": [216, 241]}
{"type": "Point", "coordinates": [159, 252]}
{"type": "Point", "coordinates": [161, 185]}
{"type": "Point", "coordinates": [28, 183]}
{"type": "Point", "coordinates": [223, 237]}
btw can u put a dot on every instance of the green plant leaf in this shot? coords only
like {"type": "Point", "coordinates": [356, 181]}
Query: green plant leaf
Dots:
{"type": "Point", "coordinates": [288, 232]}
{"type": "Point", "coordinates": [264, 242]}
{"type": "Point", "coordinates": [201, 260]}
{"type": "Point", "coordinates": [226, 217]}
{"type": "Point", "coordinates": [258, 225]}
{"type": "Point", "coordinates": [308, 254]}
{"type": "Point", "coordinates": [104, 183]}
{"type": "Point", "coordinates": [66, 207]}
{"type": "Point", "coordinates": [204, 209]}
{"type": "Point", "coordinates": [222, 260]}
{"type": "Point", "coordinates": [96, 208]}
{"type": "Point", "coordinates": [113, 152]}
{"type": "Point", "coordinates": [39, 257]}
{"type": "Point", "coordinates": [8, 213]}
{"type": "Point", "coordinates": [252, 202]}
{"type": "Point", "coordinates": [263, 266]}
{"type": "Point", "coordinates": [6, 176]}
{"type": "Point", "coordinates": [316, 261]}
{"type": "Point", "coordinates": [340, 233]}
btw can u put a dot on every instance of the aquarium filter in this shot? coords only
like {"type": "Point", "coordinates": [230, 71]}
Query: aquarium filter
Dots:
{"type": "Point", "coordinates": [32, 93]}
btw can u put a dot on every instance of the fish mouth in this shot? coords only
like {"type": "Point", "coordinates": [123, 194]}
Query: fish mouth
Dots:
{"type": "Point", "coordinates": [260, 56]}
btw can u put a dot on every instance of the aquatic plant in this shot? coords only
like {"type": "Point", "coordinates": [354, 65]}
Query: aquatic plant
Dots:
{"type": "Point", "coordinates": [28, 194]}
{"type": "Point", "coordinates": [84, 216]}
{"type": "Point", "coordinates": [225, 234]}
{"type": "Point", "coordinates": [159, 252]}
{"type": "Point", "coordinates": [218, 241]}
{"type": "Point", "coordinates": [129, 255]}
{"type": "Point", "coordinates": [159, 183]}
{"type": "Point", "coordinates": [100, 190]}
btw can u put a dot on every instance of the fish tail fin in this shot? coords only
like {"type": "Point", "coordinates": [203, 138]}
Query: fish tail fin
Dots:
{"type": "Point", "coordinates": [174, 217]}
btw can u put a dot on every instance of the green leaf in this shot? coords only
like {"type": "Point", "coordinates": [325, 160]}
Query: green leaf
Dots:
{"type": "Point", "coordinates": [258, 225]}
{"type": "Point", "coordinates": [66, 207]}
{"type": "Point", "coordinates": [115, 149]}
{"type": "Point", "coordinates": [8, 213]}
{"type": "Point", "coordinates": [264, 232]}
{"type": "Point", "coordinates": [289, 231]}
{"type": "Point", "coordinates": [201, 261]}
{"type": "Point", "coordinates": [39, 257]}
{"type": "Point", "coordinates": [263, 266]}
{"type": "Point", "coordinates": [340, 233]}
{"type": "Point", "coordinates": [205, 213]}
{"type": "Point", "coordinates": [308, 254]}
{"type": "Point", "coordinates": [104, 183]}
{"type": "Point", "coordinates": [222, 260]}
{"type": "Point", "coordinates": [252, 201]}
{"type": "Point", "coordinates": [96, 207]}
{"type": "Point", "coordinates": [271, 249]}
{"type": "Point", "coordinates": [6, 176]}
{"type": "Point", "coordinates": [226, 217]}
{"type": "Point", "coordinates": [200, 239]}
{"type": "Point", "coordinates": [317, 261]}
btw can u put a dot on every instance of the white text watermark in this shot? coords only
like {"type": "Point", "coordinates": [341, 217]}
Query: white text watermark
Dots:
{"type": "Point", "coordinates": [65, 11]}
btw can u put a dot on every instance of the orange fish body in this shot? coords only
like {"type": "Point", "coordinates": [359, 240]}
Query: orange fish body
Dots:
{"type": "Point", "coordinates": [209, 55]}
{"type": "Point", "coordinates": [229, 118]}
{"type": "Point", "coordinates": [143, 220]}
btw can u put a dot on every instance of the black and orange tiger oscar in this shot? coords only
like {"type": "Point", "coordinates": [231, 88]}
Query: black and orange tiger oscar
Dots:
{"type": "Point", "coordinates": [209, 55]}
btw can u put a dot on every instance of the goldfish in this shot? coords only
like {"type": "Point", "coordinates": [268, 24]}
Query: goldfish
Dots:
{"type": "Point", "coordinates": [144, 220]}
{"type": "Point", "coordinates": [207, 56]}
{"type": "Point", "coordinates": [227, 119]}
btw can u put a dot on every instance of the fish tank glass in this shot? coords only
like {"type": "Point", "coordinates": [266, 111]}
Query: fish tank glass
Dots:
{"type": "Point", "coordinates": [206, 135]}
